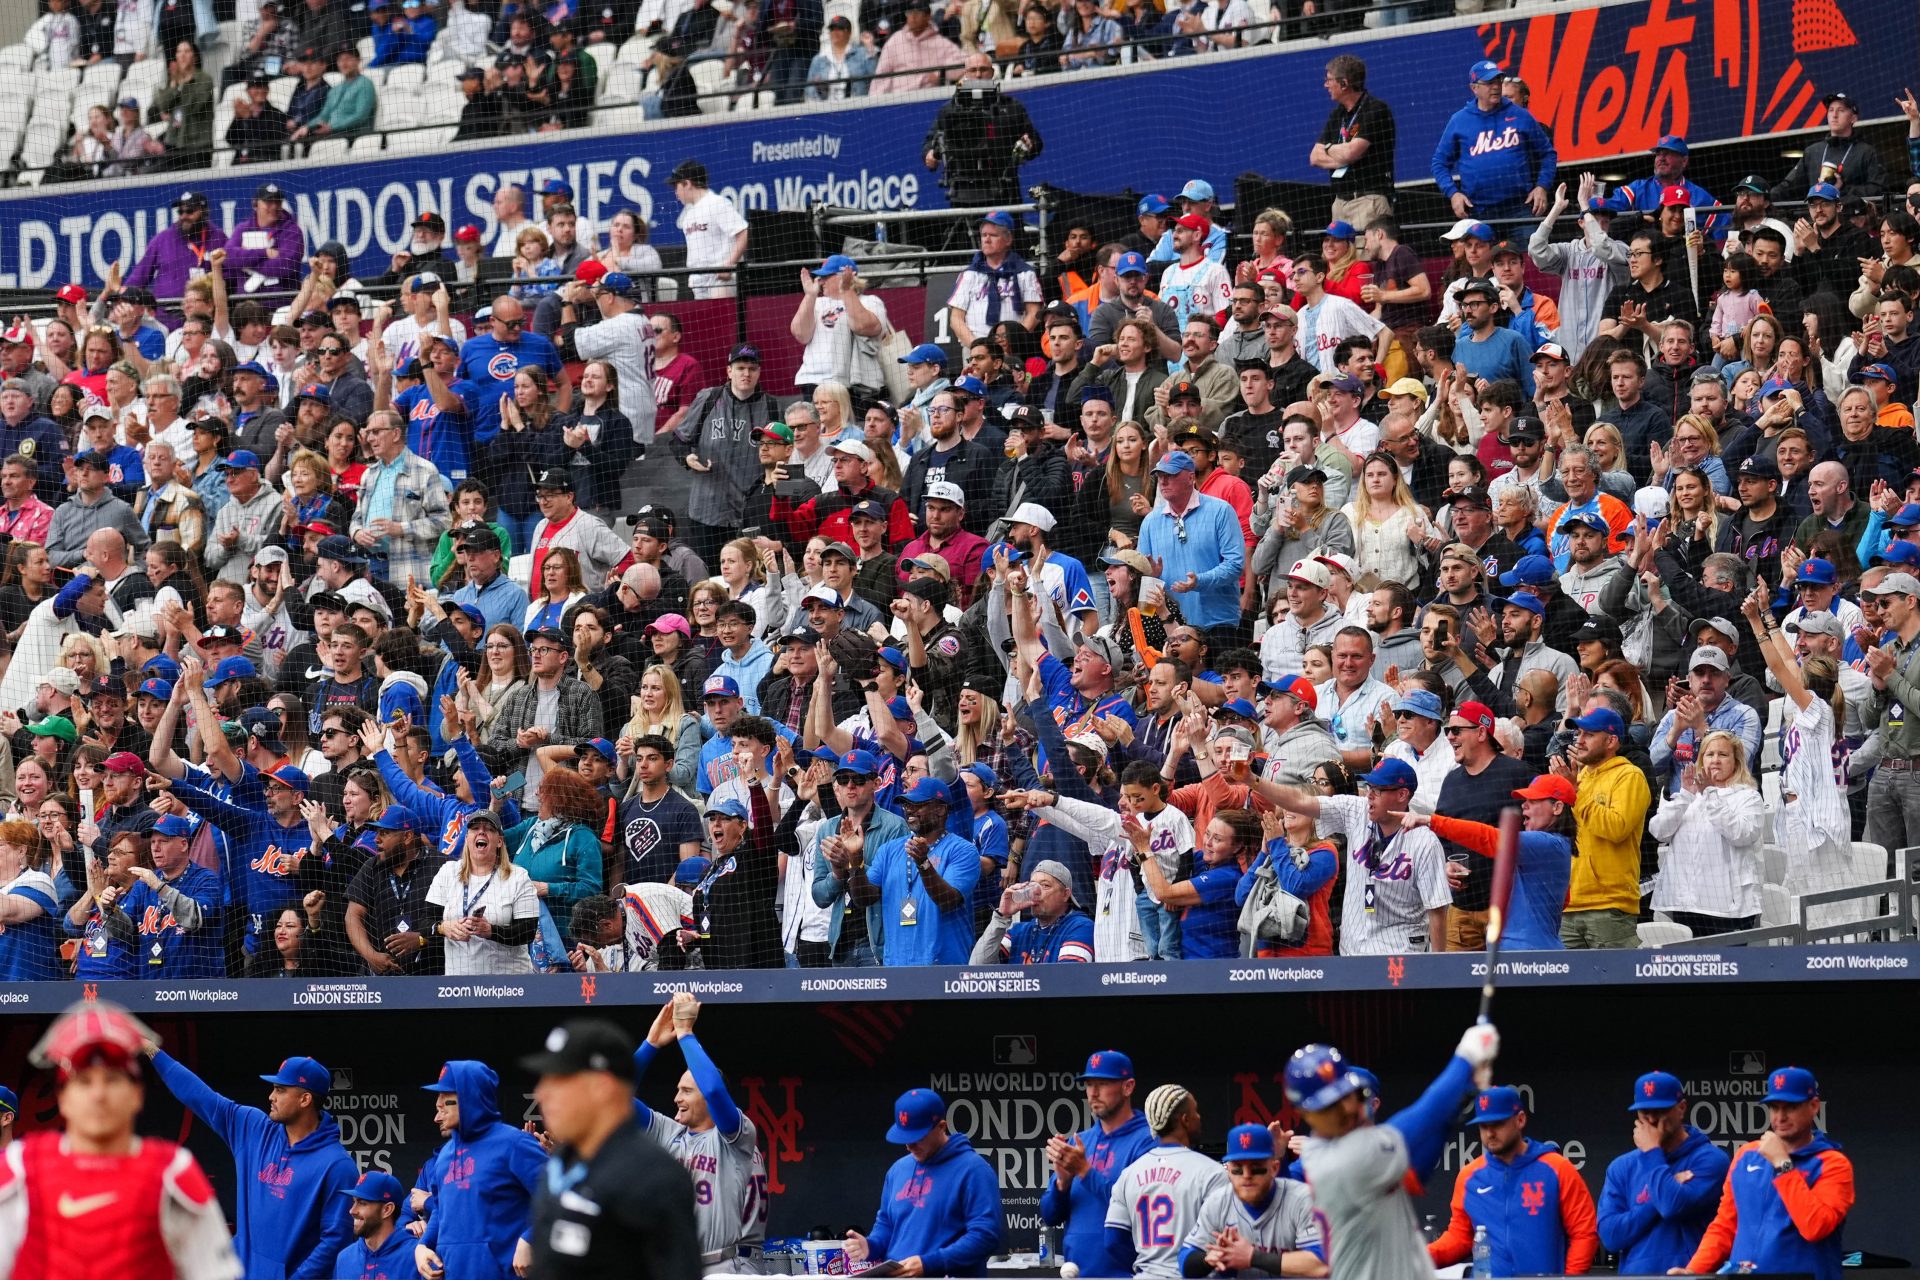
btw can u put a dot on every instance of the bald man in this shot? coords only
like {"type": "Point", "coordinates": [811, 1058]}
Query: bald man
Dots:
{"type": "Point", "coordinates": [1830, 490]}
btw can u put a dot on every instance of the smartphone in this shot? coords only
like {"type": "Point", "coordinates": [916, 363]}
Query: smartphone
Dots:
{"type": "Point", "coordinates": [1441, 631]}
{"type": "Point", "coordinates": [515, 782]}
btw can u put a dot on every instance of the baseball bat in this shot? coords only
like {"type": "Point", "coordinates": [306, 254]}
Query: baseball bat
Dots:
{"type": "Point", "coordinates": [1506, 855]}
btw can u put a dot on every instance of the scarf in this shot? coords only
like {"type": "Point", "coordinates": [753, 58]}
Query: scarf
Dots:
{"type": "Point", "coordinates": [545, 831]}
{"type": "Point", "coordinates": [1008, 271]}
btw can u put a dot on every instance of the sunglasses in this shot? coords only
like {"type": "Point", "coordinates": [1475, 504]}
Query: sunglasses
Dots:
{"type": "Point", "coordinates": [511, 324]}
{"type": "Point", "coordinates": [333, 351]}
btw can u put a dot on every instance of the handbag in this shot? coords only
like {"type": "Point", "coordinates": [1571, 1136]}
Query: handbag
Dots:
{"type": "Point", "coordinates": [894, 346]}
{"type": "Point", "coordinates": [1270, 914]}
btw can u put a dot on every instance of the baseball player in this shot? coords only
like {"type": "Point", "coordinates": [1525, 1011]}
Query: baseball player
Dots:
{"type": "Point", "coordinates": [96, 1198]}
{"type": "Point", "coordinates": [713, 1138]}
{"type": "Point", "coordinates": [1156, 1199]}
{"type": "Point", "coordinates": [1085, 1164]}
{"type": "Point", "coordinates": [1364, 1176]}
{"type": "Point", "coordinates": [1535, 1209]}
{"type": "Point", "coordinates": [1259, 1224]}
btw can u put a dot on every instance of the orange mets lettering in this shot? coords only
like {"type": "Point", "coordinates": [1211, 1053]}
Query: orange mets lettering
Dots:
{"type": "Point", "coordinates": [779, 1131]}
{"type": "Point", "coordinates": [1396, 969]}
{"type": "Point", "coordinates": [275, 861]}
{"type": "Point", "coordinates": [589, 987]}
{"type": "Point", "coordinates": [1533, 1195]}
{"type": "Point", "coordinates": [1633, 95]}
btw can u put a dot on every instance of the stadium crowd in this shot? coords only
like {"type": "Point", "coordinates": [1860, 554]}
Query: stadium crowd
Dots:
{"type": "Point", "coordinates": [1215, 608]}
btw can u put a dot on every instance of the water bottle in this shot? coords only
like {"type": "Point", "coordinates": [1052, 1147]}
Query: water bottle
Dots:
{"type": "Point", "coordinates": [1482, 1255]}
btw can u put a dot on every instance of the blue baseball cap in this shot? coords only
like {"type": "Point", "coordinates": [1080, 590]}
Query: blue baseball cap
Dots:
{"type": "Point", "coordinates": [173, 825]}
{"type": "Point", "coordinates": [616, 282]}
{"type": "Point", "coordinates": [1132, 264]}
{"type": "Point", "coordinates": [729, 809]}
{"type": "Point", "coordinates": [1421, 702]}
{"type": "Point", "coordinates": [378, 1187]}
{"type": "Point", "coordinates": [692, 870]}
{"type": "Point", "coordinates": [925, 353]}
{"type": "Point", "coordinates": [926, 791]}
{"type": "Point", "coordinates": [1774, 386]}
{"type": "Point", "coordinates": [1150, 204]}
{"type": "Point", "coordinates": [863, 763]}
{"type": "Point", "coordinates": [296, 780]}
{"type": "Point", "coordinates": [162, 666]}
{"type": "Point", "coordinates": [1656, 1091]}
{"type": "Point", "coordinates": [1173, 463]}
{"type": "Point", "coordinates": [1197, 189]}
{"type": "Point", "coordinates": [1816, 572]}
{"type": "Point", "coordinates": [478, 618]}
{"type": "Point", "coordinates": [604, 748]}
{"type": "Point", "coordinates": [263, 727]}
{"type": "Point", "coordinates": [720, 687]}
{"type": "Point", "coordinates": [984, 772]}
{"type": "Point", "coordinates": [302, 1073]}
{"type": "Point", "coordinates": [155, 688]}
{"type": "Point", "coordinates": [1530, 571]}
{"type": "Point", "coordinates": [1237, 707]}
{"type": "Point", "coordinates": [1392, 774]}
{"type": "Point", "coordinates": [1602, 720]}
{"type": "Point", "coordinates": [1524, 600]}
{"type": "Point", "coordinates": [1672, 142]}
{"type": "Point", "coordinates": [1485, 71]}
{"type": "Point", "coordinates": [234, 668]}
{"type": "Point", "coordinates": [998, 218]}
{"type": "Point", "coordinates": [1899, 552]}
{"type": "Point", "coordinates": [1502, 1102]}
{"type": "Point", "coordinates": [1014, 554]}
{"type": "Point", "coordinates": [396, 818]}
{"type": "Point", "coordinates": [899, 708]}
{"type": "Point", "coordinates": [261, 371]}
{"type": "Point", "coordinates": [893, 658]}
{"type": "Point", "coordinates": [555, 187]}
{"type": "Point", "coordinates": [1338, 230]}
{"type": "Point", "coordinates": [835, 264]}
{"type": "Point", "coordinates": [1249, 1142]}
{"type": "Point", "coordinates": [239, 460]}
{"type": "Point", "coordinates": [1316, 1077]}
{"type": "Point", "coordinates": [968, 385]}
{"type": "Point", "coordinates": [1823, 191]}
{"type": "Point", "coordinates": [1880, 371]}
{"type": "Point", "coordinates": [1107, 1064]}
{"type": "Point", "coordinates": [1791, 1084]}
{"type": "Point", "coordinates": [916, 1111]}
{"type": "Point", "coordinates": [9, 1101]}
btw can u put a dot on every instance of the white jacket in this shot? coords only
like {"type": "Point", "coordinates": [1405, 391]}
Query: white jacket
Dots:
{"type": "Point", "coordinates": [1713, 865]}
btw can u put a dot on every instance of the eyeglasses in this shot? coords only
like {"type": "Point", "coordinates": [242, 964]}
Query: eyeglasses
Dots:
{"type": "Point", "coordinates": [538, 650]}
{"type": "Point", "coordinates": [498, 644]}
{"type": "Point", "coordinates": [939, 410]}
{"type": "Point", "coordinates": [333, 351]}
{"type": "Point", "coordinates": [511, 324]}
{"type": "Point", "coordinates": [334, 733]}
{"type": "Point", "coordinates": [1639, 253]}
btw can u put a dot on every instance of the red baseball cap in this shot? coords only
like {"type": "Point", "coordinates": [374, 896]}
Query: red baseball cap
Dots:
{"type": "Point", "coordinates": [1299, 688]}
{"type": "Point", "coordinates": [1193, 222]}
{"type": "Point", "coordinates": [590, 270]}
{"type": "Point", "coordinates": [71, 293]}
{"type": "Point", "coordinates": [1548, 786]}
{"type": "Point", "coordinates": [467, 234]}
{"type": "Point", "coordinates": [1478, 715]}
{"type": "Point", "coordinates": [1674, 196]}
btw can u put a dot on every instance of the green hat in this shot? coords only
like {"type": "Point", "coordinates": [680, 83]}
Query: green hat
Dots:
{"type": "Point", "coordinates": [54, 727]}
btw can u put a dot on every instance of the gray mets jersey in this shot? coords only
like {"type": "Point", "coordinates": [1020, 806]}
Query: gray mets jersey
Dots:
{"type": "Point", "coordinates": [729, 1185]}
{"type": "Point", "coordinates": [1286, 1223]}
{"type": "Point", "coordinates": [1157, 1199]}
{"type": "Point", "coordinates": [1368, 1227]}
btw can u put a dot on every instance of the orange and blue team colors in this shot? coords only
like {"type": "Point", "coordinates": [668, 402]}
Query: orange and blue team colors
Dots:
{"type": "Point", "coordinates": [1537, 1211]}
{"type": "Point", "coordinates": [1781, 1222]}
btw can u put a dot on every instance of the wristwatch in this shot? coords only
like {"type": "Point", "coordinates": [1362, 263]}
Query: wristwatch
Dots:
{"type": "Point", "coordinates": [1784, 1165]}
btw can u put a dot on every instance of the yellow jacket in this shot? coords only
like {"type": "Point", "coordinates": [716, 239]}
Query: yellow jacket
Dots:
{"type": "Point", "coordinates": [1611, 809]}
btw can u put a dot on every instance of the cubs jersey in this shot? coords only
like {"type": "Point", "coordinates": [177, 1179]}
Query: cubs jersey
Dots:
{"type": "Point", "coordinates": [1157, 1200]}
{"type": "Point", "coordinates": [1286, 1221]}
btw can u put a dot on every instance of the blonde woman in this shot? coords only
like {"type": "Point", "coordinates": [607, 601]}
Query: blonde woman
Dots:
{"type": "Point", "coordinates": [1715, 824]}
{"type": "Point", "coordinates": [1390, 529]}
{"type": "Point", "coordinates": [489, 909]}
{"type": "Point", "coordinates": [747, 570]}
{"type": "Point", "coordinates": [660, 708]}
{"type": "Point", "coordinates": [85, 656]}
{"type": "Point", "coordinates": [1609, 450]}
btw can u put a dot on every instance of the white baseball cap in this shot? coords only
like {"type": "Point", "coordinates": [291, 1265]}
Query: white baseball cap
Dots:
{"type": "Point", "coordinates": [360, 592]}
{"type": "Point", "coordinates": [947, 491]}
{"type": "Point", "coordinates": [853, 448]}
{"type": "Point", "coordinates": [1034, 514]}
{"type": "Point", "coordinates": [1342, 561]}
{"type": "Point", "coordinates": [1311, 572]}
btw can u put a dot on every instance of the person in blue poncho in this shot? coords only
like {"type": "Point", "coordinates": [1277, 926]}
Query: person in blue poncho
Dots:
{"type": "Point", "coordinates": [290, 1221]}
{"type": "Point", "coordinates": [487, 1173]}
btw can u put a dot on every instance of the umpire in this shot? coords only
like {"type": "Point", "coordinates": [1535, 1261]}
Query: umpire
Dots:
{"type": "Point", "coordinates": [982, 136]}
{"type": "Point", "coordinates": [613, 1203]}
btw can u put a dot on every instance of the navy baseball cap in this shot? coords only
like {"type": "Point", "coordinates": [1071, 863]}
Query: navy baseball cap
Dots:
{"type": "Point", "coordinates": [9, 1101]}
{"type": "Point", "coordinates": [720, 687]}
{"type": "Point", "coordinates": [1249, 1142]}
{"type": "Point", "coordinates": [925, 353]}
{"type": "Point", "coordinates": [1531, 571]}
{"type": "Point", "coordinates": [1656, 1091]}
{"type": "Point", "coordinates": [1107, 1064]}
{"type": "Point", "coordinates": [1502, 1102]}
{"type": "Point", "coordinates": [1392, 774]}
{"type": "Point", "coordinates": [395, 818]}
{"type": "Point", "coordinates": [915, 1113]}
{"type": "Point", "coordinates": [375, 1186]}
{"type": "Point", "coordinates": [302, 1073]}
{"type": "Point", "coordinates": [262, 725]}
{"type": "Point", "coordinates": [1791, 1084]}
{"type": "Point", "coordinates": [1602, 720]}
{"type": "Point", "coordinates": [1132, 264]}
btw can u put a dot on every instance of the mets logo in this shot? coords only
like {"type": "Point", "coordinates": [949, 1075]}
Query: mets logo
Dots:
{"type": "Point", "coordinates": [1483, 1102]}
{"type": "Point", "coordinates": [589, 987]}
{"type": "Point", "coordinates": [90, 991]}
{"type": "Point", "coordinates": [1396, 969]}
{"type": "Point", "coordinates": [779, 1130]}
{"type": "Point", "coordinates": [1647, 1088]}
{"type": "Point", "coordinates": [1246, 1141]}
{"type": "Point", "coordinates": [1327, 1068]}
{"type": "Point", "coordinates": [1093, 1063]}
{"type": "Point", "coordinates": [445, 1082]}
{"type": "Point", "coordinates": [1533, 1196]}
{"type": "Point", "coordinates": [1780, 1080]}
{"type": "Point", "coordinates": [904, 1122]}
{"type": "Point", "coordinates": [503, 366]}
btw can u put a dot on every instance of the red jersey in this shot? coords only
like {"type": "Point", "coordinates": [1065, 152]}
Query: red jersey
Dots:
{"type": "Point", "coordinates": [146, 1215]}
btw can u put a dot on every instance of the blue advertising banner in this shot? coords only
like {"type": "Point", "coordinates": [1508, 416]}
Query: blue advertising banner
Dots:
{"type": "Point", "coordinates": [1606, 79]}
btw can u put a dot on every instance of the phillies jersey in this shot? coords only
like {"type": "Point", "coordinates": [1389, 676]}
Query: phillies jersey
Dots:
{"type": "Point", "coordinates": [1157, 1199]}
{"type": "Point", "coordinates": [147, 1215]}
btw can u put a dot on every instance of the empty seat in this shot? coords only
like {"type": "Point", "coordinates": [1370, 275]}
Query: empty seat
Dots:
{"type": "Point", "coordinates": [417, 140]}
{"type": "Point", "coordinates": [625, 117]}
{"type": "Point", "coordinates": [1663, 933]}
{"type": "Point", "coordinates": [439, 105]}
{"type": "Point", "coordinates": [142, 79]}
{"type": "Point", "coordinates": [603, 55]}
{"type": "Point", "coordinates": [621, 85]}
{"type": "Point", "coordinates": [102, 77]}
{"type": "Point", "coordinates": [637, 49]}
{"type": "Point", "coordinates": [406, 76]}
{"type": "Point", "coordinates": [328, 149]}
{"type": "Point", "coordinates": [56, 80]}
{"type": "Point", "coordinates": [709, 77]}
{"type": "Point", "coordinates": [365, 45]}
{"type": "Point", "coordinates": [397, 111]}
{"type": "Point", "coordinates": [1777, 906]}
{"type": "Point", "coordinates": [41, 145]}
{"type": "Point", "coordinates": [368, 144]}
{"type": "Point", "coordinates": [280, 90]}
{"type": "Point", "coordinates": [1773, 864]}
{"type": "Point", "coordinates": [16, 58]}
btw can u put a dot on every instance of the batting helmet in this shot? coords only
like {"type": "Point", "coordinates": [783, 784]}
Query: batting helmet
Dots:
{"type": "Point", "coordinates": [1318, 1077]}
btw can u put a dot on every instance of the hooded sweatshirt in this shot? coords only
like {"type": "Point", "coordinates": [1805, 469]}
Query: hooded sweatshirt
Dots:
{"type": "Point", "coordinates": [1495, 157]}
{"type": "Point", "coordinates": [403, 691]}
{"type": "Point", "coordinates": [488, 1172]}
{"type": "Point", "coordinates": [946, 1212]}
{"type": "Point", "coordinates": [1537, 1212]}
{"type": "Point", "coordinates": [290, 1223]}
{"type": "Point", "coordinates": [1082, 1207]}
{"type": "Point", "coordinates": [1652, 1219]}
{"type": "Point", "coordinates": [1781, 1222]}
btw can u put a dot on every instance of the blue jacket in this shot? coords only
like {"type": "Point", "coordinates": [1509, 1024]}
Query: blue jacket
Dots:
{"type": "Point", "coordinates": [1082, 1207]}
{"type": "Point", "coordinates": [392, 1261]}
{"type": "Point", "coordinates": [270, 853]}
{"type": "Point", "coordinates": [1648, 1217]}
{"type": "Point", "coordinates": [442, 438]}
{"type": "Point", "coordinates": [391, 48]}
{"type": "Point", "coordinates": [448, 814]}
{"type": "Point", "coordinates": [1790, 1222]}
{"type": "Point", "coordinates": [182, 955]}
{"type": "Point", "coordinates": [1495, 157]}
{"type": "Point", "coordinates": [290, 1221]}
{"type": "Point", "coordinates": [1537, 1212]}
{"type": "Point", "coordinates": [1642, 195]}
{"type": "Point", "coordinates": [941, 936]}
{"type": "Point", "coordinates": [487, 1175]}
{"type": "Point", "coordinates": [945, 1212]}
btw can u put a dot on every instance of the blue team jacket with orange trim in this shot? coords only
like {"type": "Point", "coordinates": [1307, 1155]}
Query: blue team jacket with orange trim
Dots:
{"type": "Point", "coordinates": [1082, 1207]}
{"type": "Point", "coordinates": [1537, 1212]}
{"type": "Point", "coordinates": [1652, 1218]}
{"type": "Point", "coordinates": [1781, 1222]}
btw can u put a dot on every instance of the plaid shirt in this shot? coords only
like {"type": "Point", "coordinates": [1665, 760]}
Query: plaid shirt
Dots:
{"type": "Point", "coordinates": [417, 498]}
{"type": "Point", "coordinates": [577, 720]}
